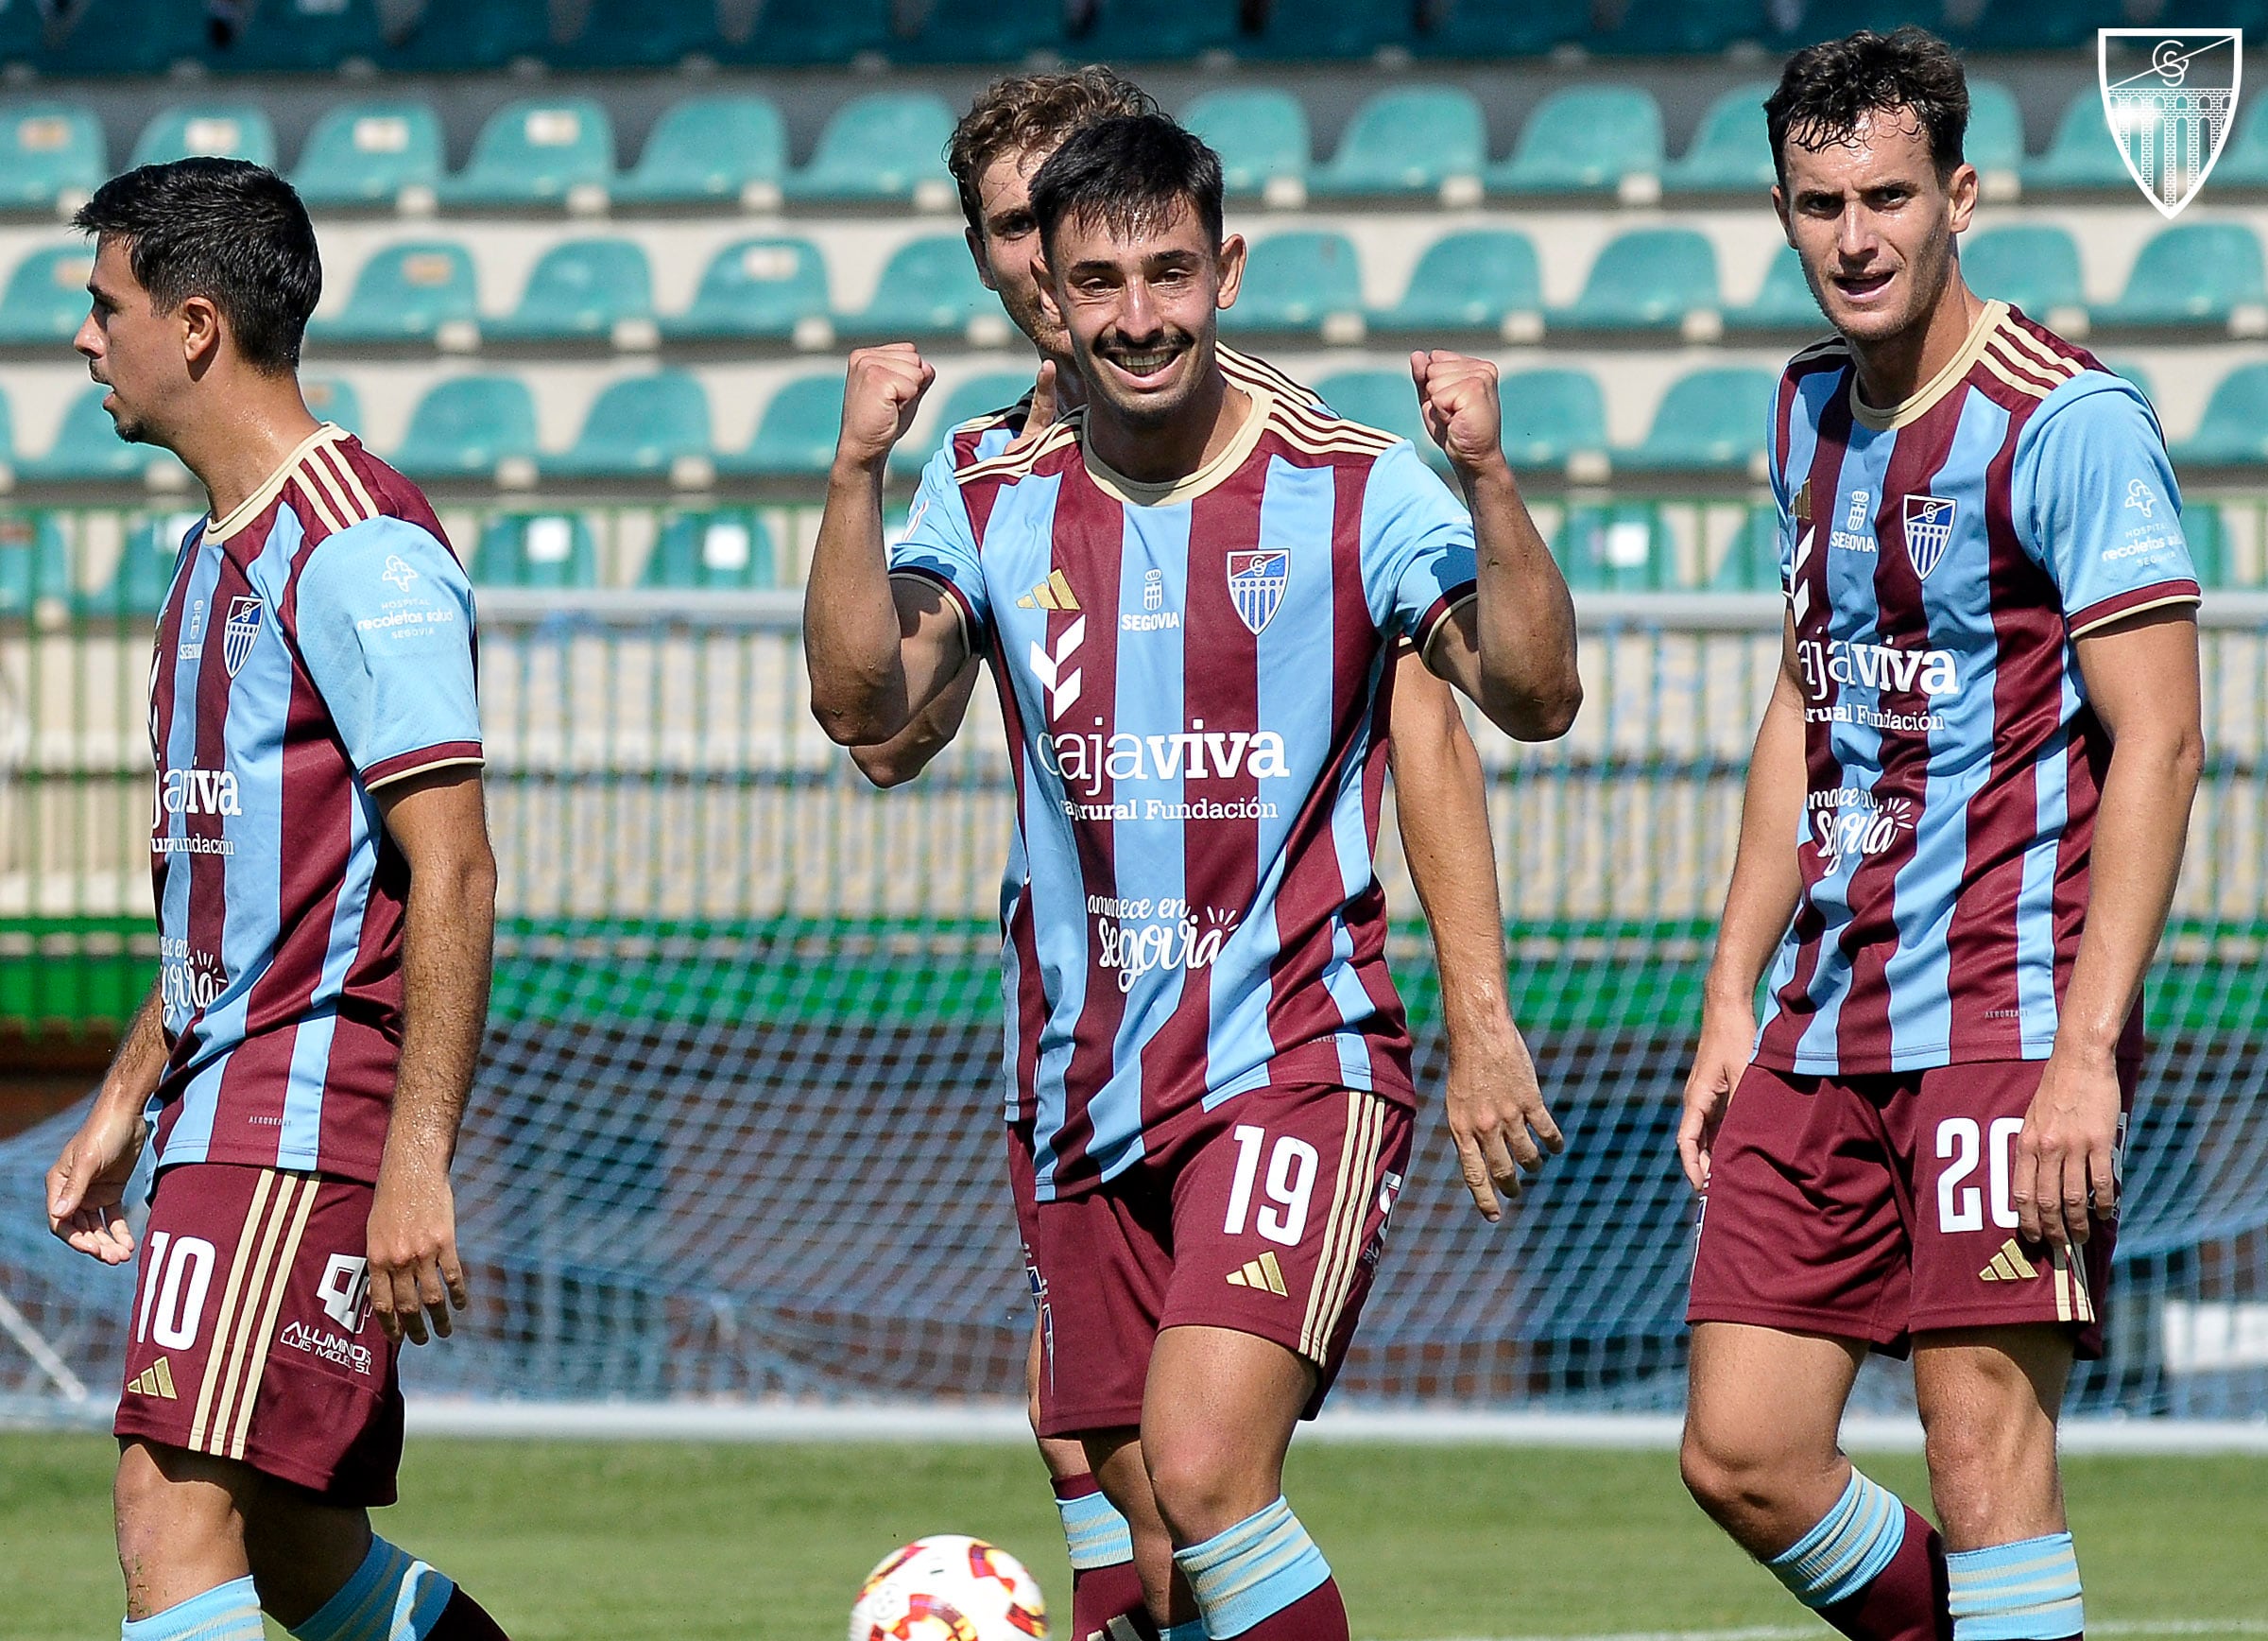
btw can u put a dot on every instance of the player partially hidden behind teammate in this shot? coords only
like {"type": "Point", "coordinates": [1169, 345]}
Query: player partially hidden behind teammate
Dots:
{"type": "Point", "coordinates": [325, 896]}
{"type": "Point", "coordinates": [1989, 685]}
{"type": "Point", "coordinates": [1493, 1098]}
{"type": "Point", "coordinates": [1203, 1022]}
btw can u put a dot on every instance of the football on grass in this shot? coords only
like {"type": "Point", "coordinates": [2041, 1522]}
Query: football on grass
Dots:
{"type": "Point", "coordinates": [949, 1587]}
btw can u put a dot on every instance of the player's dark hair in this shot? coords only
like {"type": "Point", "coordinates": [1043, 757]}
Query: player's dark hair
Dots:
{"type": "Point", "coordinates": [1128, 173]}
{"type": "Point", "coordinates": [1826, 90]}
{"type": "Point", "coordinates": [227, 229]}
{"type": "Point", "coordinates": [1033, 111]}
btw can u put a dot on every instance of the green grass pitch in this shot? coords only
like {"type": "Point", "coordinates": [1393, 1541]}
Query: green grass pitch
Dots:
{"type": "Point", "coordinates": [697, 1542]}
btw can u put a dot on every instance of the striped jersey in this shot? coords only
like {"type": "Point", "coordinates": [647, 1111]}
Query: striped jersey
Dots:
{"type": "Point", "coordinates": [1940, 559]}
{"type": "Point", "coordinates": [315, 645]}
{"type": "Point", "coordinates": [1194, 680]}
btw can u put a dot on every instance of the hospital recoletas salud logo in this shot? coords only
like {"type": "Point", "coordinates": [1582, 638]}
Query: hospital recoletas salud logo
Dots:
{"type": "Point", "coordinates": [2170, 96]}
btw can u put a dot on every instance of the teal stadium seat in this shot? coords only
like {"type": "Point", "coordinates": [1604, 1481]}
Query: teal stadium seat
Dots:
{"type": "Point", "coordinates": [639, 34]}
{"type": "Point", "coordinates": [2201, 274]}
{"type": "Point", "coordinates": [984, 31]}
{"type": "Point", "coordinates": [1331, 28]}
{"type": "Point", "coordinates": [883, 145]}
{"type": "Point", "coordinates": [711, 150]}
{"type": "Point", "coordinates": [303, 36]}
{"type": "Point", "coordinates": [50, 152]}
{"type": "Point", "coordinates": [711, 549]}
{"type": "Point", "coordinates": [2204, 527]}
{"type": "Point", "coordinates": [1751, 562]}
{"type": "Point", "coordinates": [1585, 140]}
{"type": "Point", "coordinates": [770, 288]}
{"type": "Point", "coordinates": [800, 32]}
{"type": "Point", "coordinates": [87, 449]}
{"type": "Point", "coordinates": [422, 291]}
{"type": "Point", "coordinates": [1994, 141]}
{"type": "Point", "coordinates": [1262, 137]}
{"type": "Point", "coordinates": [467, 427]}
{"type": "Point", "coordinates": [536, 152]}
{"type": "Point", "coordinates": [639, 428]}
{"type": "Point", "coordinates": [1157, 31]}
{"type": "Point", "coordinates": [1711, 419]}
{"type": "Point", "coordinates": [332, 399]}
{"type": "Point", "coordinates": [485, 36]}
{"type": "Point", "coordinates": [1784, 302]}
{"type": "Point", "coordinates": [24, 32]}
{"type": "Point", "coordinates": [1306, 280]}
{"type": "Point", "coordinates": [929, 288]}
{"type": "Point", "coordinates": [35, 566]}
{"type": "Point", "coordinates": [235, 130]}
{"type": "Point", "coordinates": [1385, 399]}
{"type": "Point", "coordinates": [128, 36]}
{"type": "Point", "coordinates": [2083, 155]}
{"type": "Point", "coordinates": [1646, 279]}
{"type": "Point", "coordinates": [366, 153]}
{"type": "Point", "coordinates": [2035, 266]}
{"type": "Point", "coordinates": [1416, 140]}
{"type": "Point", "coordinates": [549, 551]}
{"type": "Point", "coordinates": [2038, 25]}
{"type": "Point", "coordinates": [2244, 160]}
{"type": "Point", "coordinates": [1689, 26]}
{"type": "Point", "coordinates": [581, 288]}
{"type": "Point", "coordinates": [976, 396]}
{"type": "Point", "coordinates": [1465, 29]}
{"type": "Point", "coordinates": [144, 573]}
{"type": "Point", "coordinates": [2234, 430]}
{"type": "Point", "coordinates": [1554, 417]}
{"type": "Point", "coordinates": [1481, 279]}
{"type": "Point", "coordinates": [1616, 548]}
{"type": "Point", "coordinates": [795, 436]}
{"type": "Point", "coordinates": [1732, 153]}
{"type": "Point", "coordinates": [46, 298]}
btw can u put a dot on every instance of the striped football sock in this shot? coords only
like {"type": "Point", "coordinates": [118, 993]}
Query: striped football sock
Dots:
{"type": "Point", "coordinates": [394, 1597]}
{"type": "Point", "coordinates": [1104, 1584]}
{"type": "Point", "coordinates": [229, 1612]}
{"type": "Point", "coordinates": [1871, 1567]}
{"type": "Point", "coordinates": [1265, 1578]}
{"type": "Point", "coordinates": [2027, 1591]}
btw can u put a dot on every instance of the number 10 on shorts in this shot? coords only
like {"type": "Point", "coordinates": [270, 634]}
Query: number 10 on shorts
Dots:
{"type": "Point", "coordinates": [1291, 1166]}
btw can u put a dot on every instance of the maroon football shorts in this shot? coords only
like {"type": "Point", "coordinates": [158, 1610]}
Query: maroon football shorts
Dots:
{"type": "Point", "coordinates": [252, 1336]}
{"type": "Point", "coordinates": [1877, 1207]}
{"type": "Point", "coordinates": [1020, 1192]}
{"type": "Point", "coordinates": [1268, 1217]}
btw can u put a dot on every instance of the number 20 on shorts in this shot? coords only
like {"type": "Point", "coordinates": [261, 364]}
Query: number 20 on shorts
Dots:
{"type": "Point", "coordinates": [1291, 1166]}
{"type": "Point", "coordinates": [1961, 1205]}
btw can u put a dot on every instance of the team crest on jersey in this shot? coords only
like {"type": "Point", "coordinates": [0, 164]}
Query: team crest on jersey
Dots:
{"type": "Point", "coordinates": [1929, 528]}
{"type": "Point", "coordinates": [1256, 582]}
{"type": "Point", "coordinates": [247, 614]}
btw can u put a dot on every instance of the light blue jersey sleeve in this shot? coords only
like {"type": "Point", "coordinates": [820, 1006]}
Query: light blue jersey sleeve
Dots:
{"type": "Point", "coordinates": [1417, 548]}
{"type": "Point", "coordinates": [385, 630]}
{"type": "Point", "coordinates": [940, 545]}
{"type": "Point", "coordinates": [2094, 503]}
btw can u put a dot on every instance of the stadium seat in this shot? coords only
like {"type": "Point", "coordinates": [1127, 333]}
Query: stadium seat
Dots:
{"type": "Point", "coordinates": [976, 396]}
{"type": "Point", "coordinates": [726, 547]}
{"type": "Point", "coordinates": [583, 287]}
{"type": "Point", "coordinates": [883, 145]}
{"type": "Point", "coordinates": [366, 153]}
{"type": "Point", "coordinates": [46, 298]}
{"type": "Point", "coordinates": [467, 427]}
{"type": "Point", "coordinates": [1261, 136]}
{"type": "Point", "coordinates": [1555, 419]}
{"type": "Point", "coordinates": [542, 550]}
{"type": "Point", "coordinates": [488, 35]}
{"type": "Point", "coordinates": [2235, 427]}
{"type": "Point", "coordinates": [772, 289]}
{"type": "Point", "coordinates": [1995, 140]}
{"type": "Point", "coordinates": [929, 288]}
{"type": "Point", "coordinates": [144, 573]}
{"type": "Point", "coordinates": [1482, 29]}
{"type": "Point", "coordinates": [303, 36]}
{"type": "Point", "coordinates": [1587, 140]}
{"type": "Point", "coordinates": [1156, 30]}
{"type": "Point", "coordinates": [2035, 266]}
{"type": "Point", "coordinates": [652, 426]}
{"type": "Point", "coordinates": [639, 34]}
{"type": "Point", "coordinates": [35, 566]}
{"type": "Point", "coordinates": [795, 436]}
{"type": "Point", "coordinates": [332, 399]}
{"type": "Point", "coordinates": [727, 149]}
{"type": "Point", "coordinates": [2205, 274]}
{"type": "Point", "coordinates": [1692, 26]}
{"type": "Point", "coordinates": [1750, 561]}
{"type": "Point", "coordinates": [127, 37]}
{"type": "Point", "coordinates": [1307, 280]}
{"type": "Point", "coordinates": [235, 130]}
{"type": "Point", "coordinates": [984, 31]}
{"type": "Point", "coordinates": [2205, 528]}
{"type": "Point", "coordinates": [1731, 152]}
{"type": "Point", "coordinates": [49, 152]}
{"type": "Point", "coordinates": [797, 32]}
{"type": "Point", "coordinates": [87, 448]}
{"type": "Point", "coordinates": [2243, 160]}
{"type": "Point", "coordinates": [422, 291]}
{"type": "Point", "coordinates": [1616, 548]}
{"type": "Point", "coordinates": [1784, 302]}
{"type": "Point", "coordinates": [1646, 279]}
{"type": "Point", "coordinates": [1385, 399]}
{"type": "Point", "coordinates": [1416, 140]}
{"type": "Point", "coordinates": [1710, 420]}
{"type": "Point", "coordinates": [1481, 279]}
{"type": "Point", "coordinates": [537, 152]}
{"type": "Point", "coordinates": [1330, 28]}
{"type": "Point", "coordinates": [2083, 154]}
{"type": "Point", "coordinates": [2037, 24]}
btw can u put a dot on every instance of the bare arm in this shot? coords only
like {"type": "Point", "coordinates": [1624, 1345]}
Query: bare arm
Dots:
{"type": "Point", "coordinates": [1441, 805]}
{"type": "Point", "coordinates": [1767, 882]}
{"type": "Point", "coordinates": [86, 1188]}
{"type": "Point", "coordinates": [447, 937]}
{"type": "Point", "coordinates": [2142, 680]}
{"type": "Point", "coordinates": [907, 753]}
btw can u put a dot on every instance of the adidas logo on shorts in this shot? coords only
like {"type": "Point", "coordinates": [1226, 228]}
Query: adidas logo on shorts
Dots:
{"type": "Point", "coordinates": [2009, 1265]}
{"type": "Point", "coordinates": [1262, 1273]}
{"type": "Point", "coordinates": [154, 1380]}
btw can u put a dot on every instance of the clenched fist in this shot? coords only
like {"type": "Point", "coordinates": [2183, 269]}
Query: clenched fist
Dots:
{"type": "Point", "coordinates": [1456, 395]}
{"type": "Point", "coordinates": [881, 393]}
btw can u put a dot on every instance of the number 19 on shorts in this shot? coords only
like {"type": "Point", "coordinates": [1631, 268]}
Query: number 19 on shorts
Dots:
{"type": "Point", "coordinates": [1289, 1185]}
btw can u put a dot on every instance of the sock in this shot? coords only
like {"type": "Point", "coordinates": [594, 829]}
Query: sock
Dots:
{"type": "Point", "coordinates": [1263, 1577]}
{"type": "Point", "coordinates": [2027, 1591]}
{"type": "Point", "coordinates": [1192, 1631]}
{"type": "Point", "coordinates": [1871, 1567]}
{"type": "Point", "coordinates": [229, 1612]}
{"type": "Point", "coordinates": [1104, 1584]}
{"type": "Point", "coordinates": [393, 1597]}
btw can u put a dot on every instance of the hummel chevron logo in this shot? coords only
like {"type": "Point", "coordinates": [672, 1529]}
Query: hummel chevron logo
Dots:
{"type": "Point", "coordinates": [1262, 1273]}
{"type": "Point", "coordinates": [154, 1380]}
{"type": "Point", "coordinates": [1062, 685]}
{"type": "Point", "coordinates": [2009, 1265]}
{"type": "Point", "coordinates": [1053, 594]}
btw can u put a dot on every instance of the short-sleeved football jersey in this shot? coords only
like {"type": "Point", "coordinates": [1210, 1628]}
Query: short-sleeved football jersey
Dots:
{"type": "Point", "coordinates": [1940, 559]}
{"type": "Point", "coordinates": [1194, 680]}
{"type": "Point", "coordinates": [317, 644]}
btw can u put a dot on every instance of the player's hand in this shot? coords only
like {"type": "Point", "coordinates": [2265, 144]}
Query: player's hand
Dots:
{"type": "Point", "coordinates": [414, 1268]}
{"type": "Point", "coordinates": [1727, 1043]}
{"type": "Point", "coordinates": [86, 1188]}
{"type": "Point", "coordinates": [2065, 1170]}
{"type": "Point", "coordinates": [1047, 409]}
{"type": "Point", "coordinates": [1496, 1116]}
{"type": "Point", "coordinates": [1457, 397]}
{"type": "Point", "coordinates": [881, 390]}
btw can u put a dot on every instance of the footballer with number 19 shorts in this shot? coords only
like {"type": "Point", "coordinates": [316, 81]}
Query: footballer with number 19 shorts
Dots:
{"type": "Point", "coordinates": [1964, 824]}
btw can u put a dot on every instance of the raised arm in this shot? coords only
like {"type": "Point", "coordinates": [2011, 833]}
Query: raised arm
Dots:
{"type": "Point", "coordinates": [1441, 805]}
{"type": "Point", "coordinates": [86, 1188]}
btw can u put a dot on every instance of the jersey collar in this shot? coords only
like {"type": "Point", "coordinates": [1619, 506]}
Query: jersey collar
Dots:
{"type": "Point", "coordinates": [1956, 371]}
{"type": "Point", "coordinates": [255, 503]}
{"type": "Point", "coordinates": [1133, 493]}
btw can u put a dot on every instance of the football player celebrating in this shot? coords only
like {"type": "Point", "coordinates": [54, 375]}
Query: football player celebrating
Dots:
{"type": "Point", "coordinates": [325, 896]}
{"type": "Point", "coordinates": [1202, 1021]}
{"type": "Point", "coordinates": [1990, 682]}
